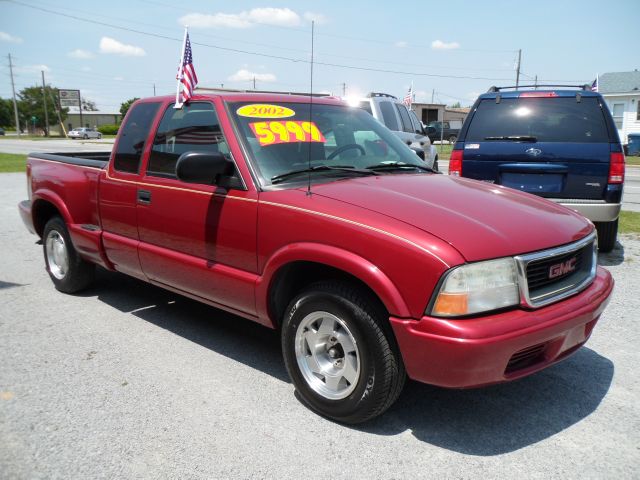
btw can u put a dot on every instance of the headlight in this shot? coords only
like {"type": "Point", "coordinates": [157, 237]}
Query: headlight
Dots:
{"type": "Point", "coordinates": [478, 287]}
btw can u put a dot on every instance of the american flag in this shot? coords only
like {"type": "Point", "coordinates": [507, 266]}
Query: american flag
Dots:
{"type": "Point", "coordinates": [187, 73]}
{"type": "Point", "coordinates": [594, 85]}
{"type": "Point", "coordinates": [408, 98]}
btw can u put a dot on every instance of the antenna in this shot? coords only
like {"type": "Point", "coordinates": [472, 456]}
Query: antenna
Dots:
{"type": "Point", "coordinates": [310, 109]}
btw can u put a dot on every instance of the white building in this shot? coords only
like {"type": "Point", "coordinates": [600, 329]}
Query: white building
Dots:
{"type": "Point", "coordinates": [621, 91]}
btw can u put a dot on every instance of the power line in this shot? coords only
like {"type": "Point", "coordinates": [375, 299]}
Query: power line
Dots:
{"type": "Point", "coordinates": [248, 52]}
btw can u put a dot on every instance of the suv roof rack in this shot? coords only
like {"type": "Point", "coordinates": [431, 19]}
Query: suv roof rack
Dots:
{"type": "Point", "coordinates": [494, 89]}
{"type": "Point", "coordinates": [380, 94]}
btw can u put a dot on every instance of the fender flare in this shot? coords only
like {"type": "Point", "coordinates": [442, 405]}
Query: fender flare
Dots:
{"type": "Point", "coordinates": [51, 197]}
{"type": "Point", "coordinates": [337, 258]}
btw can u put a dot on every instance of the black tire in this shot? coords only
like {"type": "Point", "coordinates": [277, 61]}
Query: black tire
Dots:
{"type": "Point", "coordinates": [381, 371]}
{"type": "Point", "coordinates": [86, 137]}
{"type": "Point", "coordinates": [607, 235]}
{"type": "Point", "coordinates": [99, 136]}
{"type": "Point", "coordinates": [452, 138]}
{"type": "Point", "coordinates": [79, 273]}
{"type": "Point", "coordinates": [435, 164]}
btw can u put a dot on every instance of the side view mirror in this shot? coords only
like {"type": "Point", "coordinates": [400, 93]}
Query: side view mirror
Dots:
{"type": "Point", "coordinates": [431, 130]}
{"type": "Point", "coordinates": [203, 167]}
{"type": "Point", "coordinates": [418, 151]}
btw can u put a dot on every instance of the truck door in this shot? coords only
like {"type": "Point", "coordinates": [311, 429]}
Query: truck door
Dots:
{"type": "Point", "coordinates": [196, 238]}
{"type": "Point", "coordinates": [117, 192]}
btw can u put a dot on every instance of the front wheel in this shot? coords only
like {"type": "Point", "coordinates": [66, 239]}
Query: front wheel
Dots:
{"type": "Point", "coordinates": [68, 271]}
{"type": "Point", "coordinates": [340, 353]}
{"type": "Point", "coordinates": [607, 235]}
{"type": "Point", "coordinates": [99, 136]}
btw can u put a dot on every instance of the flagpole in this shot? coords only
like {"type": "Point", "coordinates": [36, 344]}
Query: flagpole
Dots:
{"type": "Point", "coordinates": [180, 69]}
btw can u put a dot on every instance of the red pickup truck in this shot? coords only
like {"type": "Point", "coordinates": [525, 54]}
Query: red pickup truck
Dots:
{"type": "Point", "coordinates": [312, 218]}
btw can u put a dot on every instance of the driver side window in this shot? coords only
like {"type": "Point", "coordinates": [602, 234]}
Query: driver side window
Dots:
{"type": "Point", "coordinates": [194, 127]}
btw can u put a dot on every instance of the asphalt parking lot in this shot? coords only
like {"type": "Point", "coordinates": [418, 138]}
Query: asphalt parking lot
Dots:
{"type": "Point", "coordinates": [129, 381]}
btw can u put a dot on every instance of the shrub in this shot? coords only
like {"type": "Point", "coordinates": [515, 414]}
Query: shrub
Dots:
{"type": "Point", "coordinates": [108, 129]}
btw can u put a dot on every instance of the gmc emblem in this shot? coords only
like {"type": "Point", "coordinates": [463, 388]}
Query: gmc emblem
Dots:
{"type": "Point", "coordinates": [563, 268]}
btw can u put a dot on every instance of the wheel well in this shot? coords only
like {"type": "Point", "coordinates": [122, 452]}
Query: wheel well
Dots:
{"type": "Point", "coordinates": [42, 213]}
{"type": "Point", "coordinates": [294, 277]}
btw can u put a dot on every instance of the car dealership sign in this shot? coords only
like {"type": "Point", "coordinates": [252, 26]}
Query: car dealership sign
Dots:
{"type": "Point", "coordinates": [69, 98]}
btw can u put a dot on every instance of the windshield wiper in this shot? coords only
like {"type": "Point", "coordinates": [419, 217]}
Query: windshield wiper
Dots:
{"type": "Point", "coordinates": [514, 138]}
{"type": "Point", "coordinates": [322, 168]}
{"type": "Point", "coordinates": [399, 166]}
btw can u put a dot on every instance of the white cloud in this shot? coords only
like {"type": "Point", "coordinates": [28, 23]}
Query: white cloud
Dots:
{"type": "Point", "coordinates": [401, 44]}
{"type": "Point", "coordinates": [32, 69]}
{"type": "Point", "coordinates": [5, 37]}
{"type": "Point", "coordinates": [283, 17]}
{"type": "Point", "coordinates": [319, 18]}
{"type": "Point", "coordinates": [244, 75]}
{"type": "Point", "coordinates": [118, 79]}
{"type": "Point", "coordinates": [109, 45]}
{"type": "Point", "coordinates": [440, 45]}
{"type": "Point", "coordinates": [86, 69]}
{"type": "Point", "coordinates": [79, 53]}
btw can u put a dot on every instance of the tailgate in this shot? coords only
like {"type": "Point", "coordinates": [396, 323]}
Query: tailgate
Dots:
{"type": "Point", "coordinates": [548, 169]}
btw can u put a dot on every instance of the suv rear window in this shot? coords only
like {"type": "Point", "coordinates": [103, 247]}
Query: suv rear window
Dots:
{"type": "Point", "coordinates": [547, 119]}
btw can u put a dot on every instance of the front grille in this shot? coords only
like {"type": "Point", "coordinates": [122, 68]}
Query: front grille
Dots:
{"type": "Point", "coordinates": [525, 358]}
{"type": "Point", "coordinates": [554, 274]}
{"type": "Point", "coordinates": [538, 271]}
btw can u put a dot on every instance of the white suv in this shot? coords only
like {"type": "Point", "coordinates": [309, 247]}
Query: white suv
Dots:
{"type": "Point", "coordinates": [402, 121]}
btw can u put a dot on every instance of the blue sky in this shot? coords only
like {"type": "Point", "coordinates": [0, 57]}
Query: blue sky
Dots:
{"type": "Point", "coordinates": [431, 44]}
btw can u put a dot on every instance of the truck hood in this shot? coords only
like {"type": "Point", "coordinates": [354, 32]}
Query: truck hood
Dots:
{"type": "Point", "coordinates": [480, 220]}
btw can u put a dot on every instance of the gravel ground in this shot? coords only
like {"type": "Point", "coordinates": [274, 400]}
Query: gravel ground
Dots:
{"type": "Point", "coordinates": [130, 381]}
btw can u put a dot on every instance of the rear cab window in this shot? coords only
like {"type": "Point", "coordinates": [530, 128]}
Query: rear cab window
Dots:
{"type": "Point", "coordinates": [544, 119]}
{"type": "Point", "coordinates": [133, 135]}
{"type": "Point", "coordinates": [404, 118]}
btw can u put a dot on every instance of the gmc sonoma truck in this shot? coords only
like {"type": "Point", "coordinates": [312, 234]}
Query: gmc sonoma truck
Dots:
{"type": "Point", "coordinates": [314, 219]}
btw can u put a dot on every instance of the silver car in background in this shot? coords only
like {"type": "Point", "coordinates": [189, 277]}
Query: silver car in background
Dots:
{"type": "Point", "coordinates": [84, 133]}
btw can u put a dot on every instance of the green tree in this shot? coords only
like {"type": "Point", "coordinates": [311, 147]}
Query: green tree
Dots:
{"type": "Point", "coordinates": [456, 105]}
{"type": "Point", "coordinates": [31, 105]}
{"type": "Point", "coordinates": [6, 113]}
{"type": "Point", "coordinates": [124, 108]}
{"type": "Point", "coordinates": [89, 105]}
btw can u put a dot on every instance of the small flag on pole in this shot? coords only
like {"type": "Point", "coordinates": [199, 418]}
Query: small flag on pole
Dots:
{"type": "Point", "coordinates": [408, 98]}
{"type": "Point", "coordinates": [186, 74]}
{"type": "Point", "coordinates": [594, 85]}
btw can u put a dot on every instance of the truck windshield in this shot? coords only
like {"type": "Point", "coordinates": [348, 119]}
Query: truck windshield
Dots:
{"type": "Point", "coordinates": [283, 138]}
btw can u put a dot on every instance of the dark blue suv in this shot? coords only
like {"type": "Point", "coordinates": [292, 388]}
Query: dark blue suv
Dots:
{"type": "Point", "coordinates": [559, 144]}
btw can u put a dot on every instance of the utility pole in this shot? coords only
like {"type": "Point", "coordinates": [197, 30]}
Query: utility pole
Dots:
{"type": "Point", "coordinates": [154, 89]}
{"type": "Point", "coordinates": [254, 82]}
{"type": "Point", "coordinates": [433, 93]}
{"type": "Point", "coordinates": [518, 68]}
{"type": "Point", "coordinates": [44, 100]}
{"type": "Point", "coordinates": [80, 106]}
{"type": "Point", "coordinates": [15, 104]}
{"type": "Point", "coordinates": [536, 82]}
{"type": "Point", "coordinates": [344, 89]}
{"type": "Point", "coordinates": [55, 105]}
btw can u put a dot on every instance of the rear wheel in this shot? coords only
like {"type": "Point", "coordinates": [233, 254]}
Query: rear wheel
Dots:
{"type": "Point", "coordinates": [339, 353]}
{"type": "Point", "coordinates": [607, 235]}
{"type": "Point", "coordinates": [452, 138]}
{"type": "Point", "coordinates": [435, 164]}
{"type": "Point", "coordinates": [68, 271]}
{"type": "Point", "coordinates": [86, 137]}
{"type": "Point", "coordinates": [99, 136]}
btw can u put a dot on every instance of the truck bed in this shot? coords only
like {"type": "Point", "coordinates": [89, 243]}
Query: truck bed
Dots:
{"type": "Point", "coordinates": [84, 159]}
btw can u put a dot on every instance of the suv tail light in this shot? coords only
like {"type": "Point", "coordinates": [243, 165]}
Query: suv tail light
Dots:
{"type": "Point", "coordinates": [616, 167]}
{"type": "Point", "coordinates": [455, 163]}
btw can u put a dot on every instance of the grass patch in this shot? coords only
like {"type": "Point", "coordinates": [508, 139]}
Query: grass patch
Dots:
{"type": "Point", "coordinates": [12, 162]}
{"type": "Point", "coordinates": [444, 151]}
{"type": "Point", "coordinates": [629, 222]}
{"type": "Point", "coordinates": [633, 161]}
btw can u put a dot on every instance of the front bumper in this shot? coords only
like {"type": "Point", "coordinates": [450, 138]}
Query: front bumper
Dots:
{"type": "Point", "coordinates": [462, 353]}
